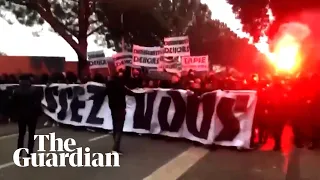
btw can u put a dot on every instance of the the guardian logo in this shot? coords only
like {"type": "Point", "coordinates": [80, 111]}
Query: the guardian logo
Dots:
{"type": "Point", "coordinates": [64, 153]}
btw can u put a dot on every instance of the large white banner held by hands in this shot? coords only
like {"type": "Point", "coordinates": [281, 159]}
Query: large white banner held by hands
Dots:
{"type": "Point", "coordinates": [220, 117]}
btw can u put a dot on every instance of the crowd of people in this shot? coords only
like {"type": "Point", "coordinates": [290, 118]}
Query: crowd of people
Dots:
{"type": "Point", "coordinates": [282, 100]}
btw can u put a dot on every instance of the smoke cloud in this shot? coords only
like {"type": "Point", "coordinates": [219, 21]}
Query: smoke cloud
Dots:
{"type": "Point", "coordinates": [297, 30]}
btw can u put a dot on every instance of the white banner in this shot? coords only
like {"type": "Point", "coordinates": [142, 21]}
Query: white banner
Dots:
{"type": "Point", "coordinates": [176, 46]}
{"type": "Point", "coordinates": [95, 54]}
{"type": "Point", "coordinates": [100, 62]}
{"type": "Point", "coordinates": [122, 59]}
{"type": "Point", "coordinates": [196, 63]}
{"type": "Point", "coordinates": [146, 56]}
{"type": "Point", "coordinates": [170, 65]}
{"type": "Point", "coordinates": [220, 117]}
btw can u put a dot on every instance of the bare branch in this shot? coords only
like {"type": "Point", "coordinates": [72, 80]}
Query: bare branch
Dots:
{"type": "Point", "coordinates": [45, 4]}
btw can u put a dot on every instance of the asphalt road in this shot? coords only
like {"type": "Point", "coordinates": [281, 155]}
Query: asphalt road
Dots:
{"type": "Point", "coordinates": [149, 158]}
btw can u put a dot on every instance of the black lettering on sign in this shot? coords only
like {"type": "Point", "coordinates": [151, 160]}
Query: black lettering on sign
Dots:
{"type": "Point", "coordinates": [208, 106]}
{"type": "Point", "coordinates": [142, 119]}
{"type": "Point", "coordinates": [99, 94]}
{"type": "Point", "coordinates": [180, 112]}
{"type": "Point", "coordinates": [76, 104]}
{"type": "Point", "coordinates": [225, 112]}
{"type": "Point", "coordinates": [64, 95]}
{"type": "Point", "coordinates": [49, 93]}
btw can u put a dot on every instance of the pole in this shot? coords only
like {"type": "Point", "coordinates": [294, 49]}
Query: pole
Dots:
{"type": "Point", "coordinates": [122, 35]}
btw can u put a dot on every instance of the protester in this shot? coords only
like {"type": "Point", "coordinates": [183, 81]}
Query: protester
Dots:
{"type": "Point", "coordinates": [116, 91]}
{"type": "Point", "coordinates": [27, 104]}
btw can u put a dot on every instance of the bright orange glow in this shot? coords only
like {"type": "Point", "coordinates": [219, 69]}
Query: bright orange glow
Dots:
{"type": "Point", "coordinates": [286, 56]}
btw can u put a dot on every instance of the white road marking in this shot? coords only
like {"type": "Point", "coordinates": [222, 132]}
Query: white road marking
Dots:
{"type": "Point", "coordinates": [14, 135]}
{"type": "Point", "coordinates": [2, 166]}
{"type": "Point", "coordinates": [179, 165]}
{"type": "Point", "coordinates": [98, 137]}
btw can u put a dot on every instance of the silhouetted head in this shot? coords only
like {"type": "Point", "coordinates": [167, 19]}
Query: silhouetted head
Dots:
{"type": "Point", "coordinates": [175, 78]}
{"type": "Point", "coordinates": [24, 81]}
{"type": "Point", "coordinates": [191, 73]}
{"type": "Point", "coordinates": [135, 73]}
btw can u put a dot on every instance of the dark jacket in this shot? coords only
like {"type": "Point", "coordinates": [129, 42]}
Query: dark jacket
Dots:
{"type": "Point", "coordinates": [5, 102]}
{"type": "Point", "coordinates": [117, 91]}
{"type": "Point", "coordinates": [26, 102]}
{"type": "Point", "coordinates": [134, 82]}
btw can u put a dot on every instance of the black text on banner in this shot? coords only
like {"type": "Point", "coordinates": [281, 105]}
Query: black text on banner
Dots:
{"type": "Point", "coordinates": [146, 56]}
{"type": "Point", "coordinates": [176, 46]}
{"type": "Point", "coordinates": [208, 119]}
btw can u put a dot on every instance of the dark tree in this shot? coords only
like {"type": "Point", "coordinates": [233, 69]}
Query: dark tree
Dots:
{"type": "Point", "coordinates": [253, 15]}
{"type": "Point", "coordinates": [224, 47]}
{"type": "Point", "coordinates": [147, 27]}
